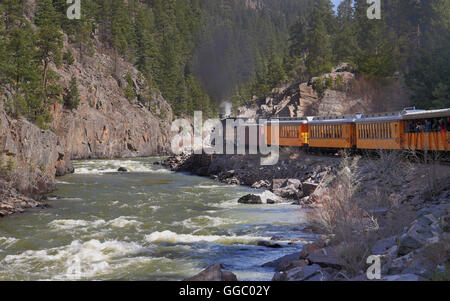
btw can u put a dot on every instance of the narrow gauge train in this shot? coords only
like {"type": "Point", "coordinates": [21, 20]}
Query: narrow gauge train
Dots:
{"type": "Point", "coordinates": [410, 129]}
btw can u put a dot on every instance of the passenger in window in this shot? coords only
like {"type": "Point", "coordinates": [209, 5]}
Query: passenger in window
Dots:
{"type": "Point", "coordinates": [442, 125]}
{"type": "Point", "coordinates": [418, 127]}
{"type": "Point", "coordinates": [428, 126]}
{"type": "Point", "coordinates": [410, 127]}
{"type": "Point", "coordinates": [436, 127]}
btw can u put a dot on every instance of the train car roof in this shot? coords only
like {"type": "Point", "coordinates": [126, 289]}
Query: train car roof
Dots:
{"type": "Point", "coordinates": [362, 118]}
{"type": "Point", "coordinates": [406, 114]}
{"type": "Point", "coordinates": [293, 122]}
{"type": "Point", "coordinates": [419, 114]}
{"type": "Point", "coordinates": [332, 120]}
{"type": "Point", "coordinates": [288, 121]}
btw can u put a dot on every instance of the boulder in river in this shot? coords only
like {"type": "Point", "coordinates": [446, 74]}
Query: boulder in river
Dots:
{"type": "Point", "coordinates": [269, 197]}
{"type": "Point", "coordinates": [261, 184]}
{"type": "Point", "coordinates": [214, 273]}
{"type": "Point", "coordinates": [268, 244]}
{"type": "Point", "coordinates": [250, 199]}
{"type": "Point", "coordinates": [122, 169]}
{"type": "Point", "coordinates": [289, 189]}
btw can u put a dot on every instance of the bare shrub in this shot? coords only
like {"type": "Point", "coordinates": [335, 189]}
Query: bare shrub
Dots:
{"type": "Point", "coordinates": [392, 171]}
{"type": "Point", "coordinates": [378, 95]}
{"type": "Point", "coordinates": [353, 255]}
{"type": "Point", "coordinates": [349, 208]}
{"type": "Point", "coordinates": [437, 178]}
{"type": "Point", "coordinates": [341, 215]}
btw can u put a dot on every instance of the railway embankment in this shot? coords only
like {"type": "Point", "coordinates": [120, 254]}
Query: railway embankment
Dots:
{"type": "Point", "coordinates": [388, 207]}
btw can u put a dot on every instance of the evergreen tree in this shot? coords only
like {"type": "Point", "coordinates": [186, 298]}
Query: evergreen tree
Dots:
{"type": "Point", "coordinates": [428, 78]}
{"type": "Point", "coordinates": [72, 99]}
{"type": "Point", "coordinates": [378, 51]}
{"type": "Point", "coordinates": [320, 56]}
{"type": "Point", "coordinates": [130, 94]}
{"type": "Point", "coordinates": [345, 39]}
{"type": "Point", "coordinates": [49, 38]}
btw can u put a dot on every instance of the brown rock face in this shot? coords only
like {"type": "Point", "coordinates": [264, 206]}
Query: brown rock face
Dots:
{"type": "Point", "coordinates": [105, 125]}
{"type": "Point", "coordinates": [33, 156]}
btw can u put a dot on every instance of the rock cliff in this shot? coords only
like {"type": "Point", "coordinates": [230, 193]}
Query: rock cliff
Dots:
{"type": "Point", "coordinates": [104, 125]}
{"type": "Point", "coordinates": [339, 93]}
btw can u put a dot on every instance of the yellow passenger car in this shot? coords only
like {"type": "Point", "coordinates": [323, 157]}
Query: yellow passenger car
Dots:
{"type": "Point", "coordinates": [426, 130]}
{"type": "Point", "coordinates": [293, 132]}
{"type": "Point", "coordinates": [379, 131]}
{"type": "Point", "coordinates": [332, 132]}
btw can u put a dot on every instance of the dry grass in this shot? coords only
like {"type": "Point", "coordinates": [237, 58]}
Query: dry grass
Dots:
{"type": "Point", "coordinates": [349, 208]}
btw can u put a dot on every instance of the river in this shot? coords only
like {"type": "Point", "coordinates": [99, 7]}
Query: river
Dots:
{"type": "Point", "coordinates": [148, 224]}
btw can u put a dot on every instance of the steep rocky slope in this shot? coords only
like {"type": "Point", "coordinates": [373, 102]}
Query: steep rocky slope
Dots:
{"type": "Point", "coordinates": [105, 125]}
{"type": "Point", "coordinates": [346, 94]}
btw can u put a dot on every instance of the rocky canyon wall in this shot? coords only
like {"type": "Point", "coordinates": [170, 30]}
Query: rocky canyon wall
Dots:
{"type": "Point", "coordinates": [105, 125]}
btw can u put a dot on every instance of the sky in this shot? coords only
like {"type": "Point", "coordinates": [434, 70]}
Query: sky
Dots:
{"type": "Point", "coordinates": [336, 3]}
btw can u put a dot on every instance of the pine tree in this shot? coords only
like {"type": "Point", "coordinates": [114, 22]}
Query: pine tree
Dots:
{"type": "Point", "coordinates": [378, 49]}
{"type": "Point", "coordinates": [49, 38]}
{"type": "Point", "coordinates": [298, 39]}
{"type": "Point", "coordinates": [345, 39]}
{"type": "Point", "coordinates": [130, 94]}
{"type": "Point", "coordinates": [320, 56]}
{"type": "Point", "coordinates": [428, 78]}
{"type": "Point", "coordinates": [72, 99]}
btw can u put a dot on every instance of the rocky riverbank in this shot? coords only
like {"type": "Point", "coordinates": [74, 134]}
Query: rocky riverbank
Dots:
{"type": "Point", "coordinates": [386, 207]}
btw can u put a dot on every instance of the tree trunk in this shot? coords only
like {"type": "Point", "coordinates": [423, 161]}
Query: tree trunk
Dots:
{"type": "Point", "coordinates": [45, 77]}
